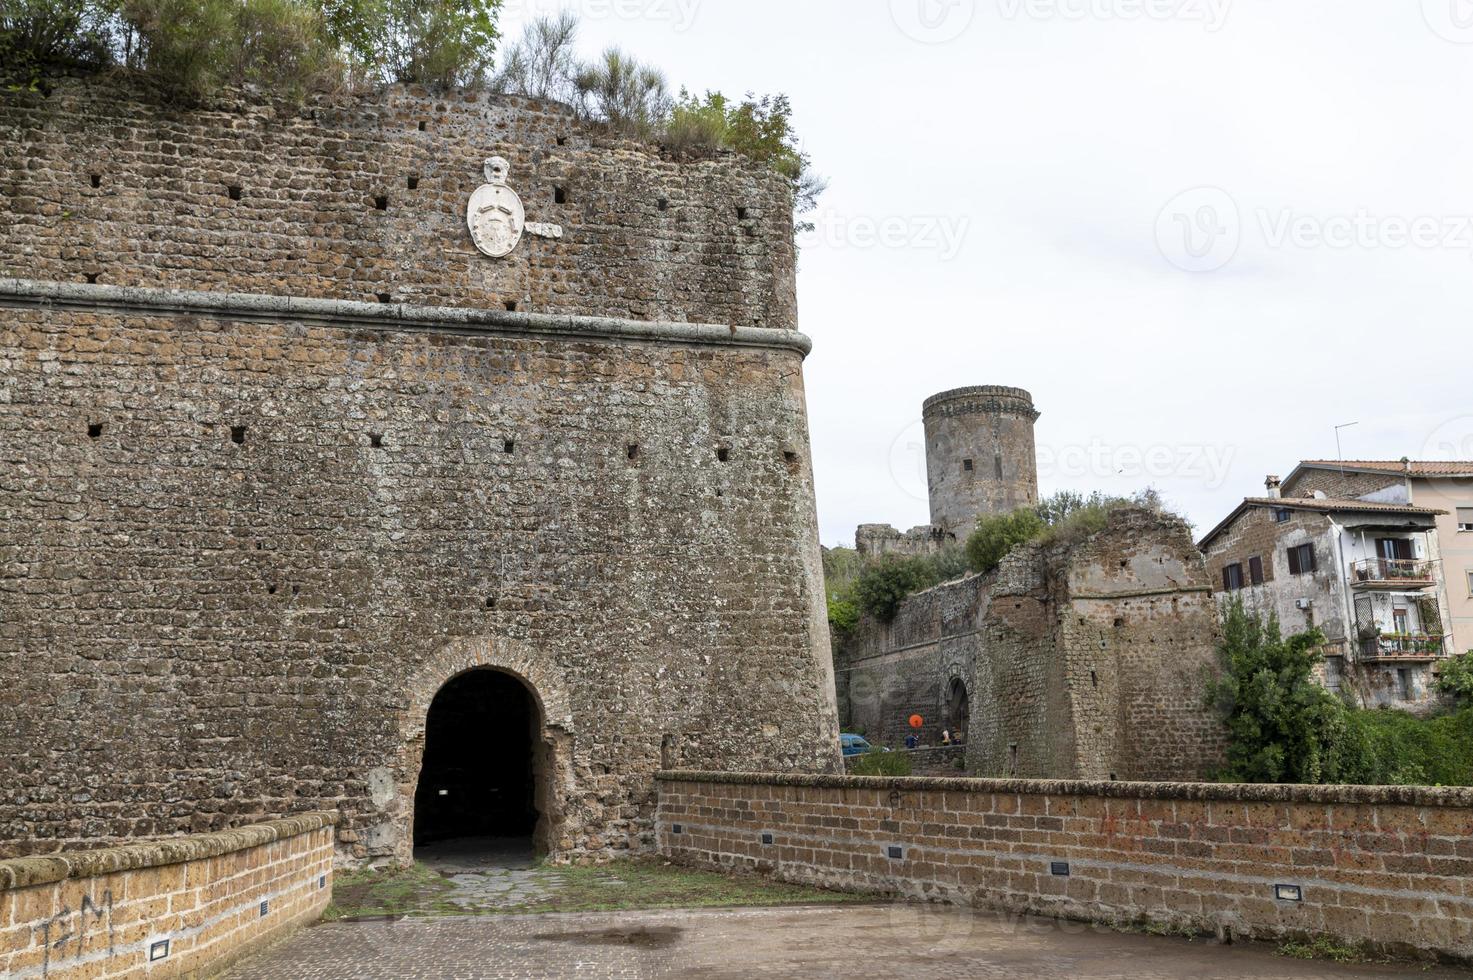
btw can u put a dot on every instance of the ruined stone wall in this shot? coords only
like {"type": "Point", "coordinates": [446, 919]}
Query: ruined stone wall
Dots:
{"type": "Point", "coordinates": [185, 907]}
{"type": "Point", "coordinates": [1387, 867]}
{"type": "Point", "coordinates": [358, 198]}
{"type": "Point", "coordinates": [1256, 534]}
{"type": "Point", "coordinates": [244, 540]}
{"type": "Point", "coordinates": [1082, 660]}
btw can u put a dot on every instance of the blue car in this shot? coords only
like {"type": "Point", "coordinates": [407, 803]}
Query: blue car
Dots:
{"type": "Point", "coordinates": [854, 744]}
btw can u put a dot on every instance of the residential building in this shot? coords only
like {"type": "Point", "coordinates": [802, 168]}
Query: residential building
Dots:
{"type": "Point", "coordinates": [1365, 572]}
{"type": "Point", "coordinates": [1444, 486]}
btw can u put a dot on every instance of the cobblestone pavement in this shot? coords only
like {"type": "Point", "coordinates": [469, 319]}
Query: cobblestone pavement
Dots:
{"type": "Point", "coordinates": [908, 942]}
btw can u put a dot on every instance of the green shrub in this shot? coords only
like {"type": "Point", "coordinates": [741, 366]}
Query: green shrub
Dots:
{"type": "Point", "coordinates": [632, 98]}
{"type": "Point", "coordinates": [996, 536]}
{"type": "Point", "coordinates": [1064, 517]}
{"type": "Point", "coordinates": [877, 762]}
{"type": "Point", "coordinates": [193, 47]}
{"type": "Point", "coordinates": [884, 584]}
{"type": "Point", "coordinates": [35, 34]}
{"type": "Point", "coordinates": [843, 615]}
{"type": "Point", "coordinates": [623, 92]}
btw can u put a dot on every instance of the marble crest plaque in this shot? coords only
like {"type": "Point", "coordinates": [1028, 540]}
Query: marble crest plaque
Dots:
{"type": "Point", "coordinates": [496, 216]}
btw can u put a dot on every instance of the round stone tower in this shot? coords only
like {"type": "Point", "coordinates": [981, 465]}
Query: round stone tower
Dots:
{"type": "Point", "coordinates": [979, 455]}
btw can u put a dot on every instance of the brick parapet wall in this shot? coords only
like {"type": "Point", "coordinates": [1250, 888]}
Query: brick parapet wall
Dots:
{"type": "Point", "coordinates": [102, 913]}
{"type": "Point", "coordinates": [1388, 866]}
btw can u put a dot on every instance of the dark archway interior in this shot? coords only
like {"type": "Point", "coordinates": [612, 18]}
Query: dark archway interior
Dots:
{"type": "Point", "coordinates": [958, 708]}
{"type": "Point", "coordinates": [478, 777]}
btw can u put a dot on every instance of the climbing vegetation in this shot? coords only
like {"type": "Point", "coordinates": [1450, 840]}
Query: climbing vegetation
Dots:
{"type": "Point", "coordinates": [1284, 727]}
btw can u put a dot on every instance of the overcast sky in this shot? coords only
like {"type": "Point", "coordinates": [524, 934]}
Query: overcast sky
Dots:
{"type": "Point", "coordinates": [1202, 232]}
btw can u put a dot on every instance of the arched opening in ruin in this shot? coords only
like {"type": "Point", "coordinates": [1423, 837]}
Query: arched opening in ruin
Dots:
{"type": "Point", "coordinates": [478, 796]}
{"type": "Point", "coordinates": [958, 708]}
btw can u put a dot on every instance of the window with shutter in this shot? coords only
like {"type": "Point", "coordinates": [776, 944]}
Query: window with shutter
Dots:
{"type": "Point", "coordinates": [1232, 577]}
{"type": "Point", "coordinates": [1302, 560]}
{"type": "Point", "coordinates": [1465, 518]}
{"type": "Point", "coordinates": [1255, 570]}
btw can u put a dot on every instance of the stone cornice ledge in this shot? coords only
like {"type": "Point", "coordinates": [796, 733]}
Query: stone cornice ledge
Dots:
{"type": "Point", "coordinates": [1225, 792]}
{"type": "Point", "coordinates": [390, 316]}
{"type": "Point", "coordinates": [24, 872]}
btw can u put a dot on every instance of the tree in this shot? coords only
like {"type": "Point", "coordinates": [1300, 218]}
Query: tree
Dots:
{"type": "Point", "coordinates": [440, 43]}
{"type": "Point", "coordinates": [1283, 727]}
{"type": "Point", "coordinates": [1456, 678]}
{"type": "Point", "coordinates": [191, 48]}
{"type": "Point", "coordinates": [542, 64]}
{"type": "Point", "coordinates": [37, 33]}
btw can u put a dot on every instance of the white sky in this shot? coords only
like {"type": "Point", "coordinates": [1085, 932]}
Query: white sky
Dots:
{"type": "Point", "coordinates": [1012, 186]}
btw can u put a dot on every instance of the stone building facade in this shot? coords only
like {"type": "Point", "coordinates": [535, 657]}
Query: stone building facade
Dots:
{"type": "Point", "coordinates": [1443, 485]}
{"type": "Point", "coordinates": [1083, 659]}
{"type": "Point", "coordinates": [284, 455]}
{"type": "Point", "coordinates": [1365, 572]}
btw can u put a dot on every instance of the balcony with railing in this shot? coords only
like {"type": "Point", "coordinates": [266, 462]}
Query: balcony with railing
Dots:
{"type": "Point", "coordinates": [1404, 647]}
{"type": "Point", "coordinates": [1393, 575]}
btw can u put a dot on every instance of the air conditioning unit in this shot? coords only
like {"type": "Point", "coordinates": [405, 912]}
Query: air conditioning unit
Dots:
{"type": "Point", "coordinates": [1304, 604]}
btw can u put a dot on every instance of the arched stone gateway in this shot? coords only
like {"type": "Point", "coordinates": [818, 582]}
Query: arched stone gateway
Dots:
{"type": "Point", "coordinates": [482, 688]}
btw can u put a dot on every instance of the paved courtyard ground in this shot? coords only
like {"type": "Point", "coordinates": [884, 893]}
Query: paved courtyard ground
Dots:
{"type": "Point", "coordinates": [895, 942]}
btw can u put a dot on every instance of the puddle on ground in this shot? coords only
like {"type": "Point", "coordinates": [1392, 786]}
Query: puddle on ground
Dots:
{"type": "Point", "coordinates": [660, 938]}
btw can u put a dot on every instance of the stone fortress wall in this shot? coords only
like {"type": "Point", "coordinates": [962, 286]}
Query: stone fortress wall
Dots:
{"type": "Point", "coordinates": [365, 199]}
{"type": "Point", "coordinates": [245, 539]}
{"type": "Point", "coordinates": [1083, 659]}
